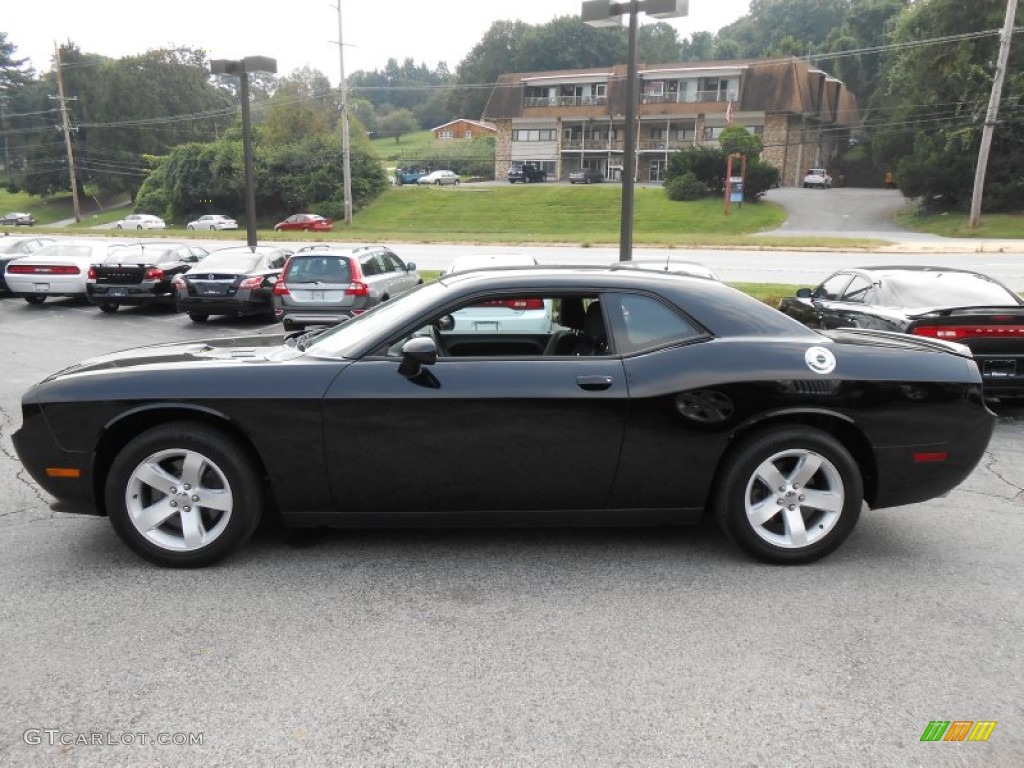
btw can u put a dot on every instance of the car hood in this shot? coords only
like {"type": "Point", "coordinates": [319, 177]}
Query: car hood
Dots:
{"type": "Point", "coordinates": [236, 350]}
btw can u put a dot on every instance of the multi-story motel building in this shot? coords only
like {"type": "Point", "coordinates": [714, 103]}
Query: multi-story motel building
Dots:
{"type": "Point", "coordinates": [576, 118]}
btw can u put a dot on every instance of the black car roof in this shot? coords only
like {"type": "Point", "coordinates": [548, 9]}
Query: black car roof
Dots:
{"type": "Point", "coordinates": [723, 310]}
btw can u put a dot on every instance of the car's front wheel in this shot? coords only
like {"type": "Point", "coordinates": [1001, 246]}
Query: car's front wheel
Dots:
{"type": "Point", "coordinates": [789, 495]}
{"type": "Point", "coordinates": [183, 495]}
{"type": "Point", "coordinates": [198, 317]}
{"type": "Point", "coordinates": [191, 227]}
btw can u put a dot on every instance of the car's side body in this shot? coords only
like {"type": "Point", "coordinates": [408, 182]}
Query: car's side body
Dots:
{"type": "Point", "coordinates": [439, 179]}
{"type": "Point", "coordinates": [526, 173]}
{"type": "Point", "coordinates": [139, 221]}
{"type": "Point", "coordinates": [18, 219]}
{"type": "Point", "coordinates": [641, 430]}
{"type": "Point", "coordinates": [304, 222]}
{"type": "Point", "coordinates": [213, 222]}
{"type": "Point", "coordinates": [585, 176]}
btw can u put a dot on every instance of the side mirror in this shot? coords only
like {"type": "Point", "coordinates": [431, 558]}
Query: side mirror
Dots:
{"type": "Point", "coordinates": [410, 267]}
{"type": "Point", "coordinates": [415, 354]}
{"type": "Point", "coordinates": [803, 293]}
{"type": "Point", "coordinates": [445, 323]}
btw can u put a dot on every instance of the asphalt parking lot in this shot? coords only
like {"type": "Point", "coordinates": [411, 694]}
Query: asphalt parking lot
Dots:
{"type": "Point", "coordinates": [654, 647]}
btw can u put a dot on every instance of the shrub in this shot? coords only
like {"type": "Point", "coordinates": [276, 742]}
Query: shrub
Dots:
{"type": "Point", "coordinates": [685, 187]}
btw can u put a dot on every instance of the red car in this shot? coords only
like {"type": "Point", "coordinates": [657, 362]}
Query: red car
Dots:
{"type": "Point", "coordinates": [305, 222]}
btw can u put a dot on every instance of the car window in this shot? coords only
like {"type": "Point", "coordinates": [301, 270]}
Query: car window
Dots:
{"type": "Point", "coordinates": [648, 323]}
{"type": "Point", "coordinates": [394, 261]}
{"type": "Point", "coordinates": [328, 269]}
{"type": "Point", "coordinates": [860, 291]}
{"type": "Point", "coordinates": [832, 288]}
{"type": "Point", "coordinates": [943, 289]}
{"type": "Point", "coordinates": [370, 265]}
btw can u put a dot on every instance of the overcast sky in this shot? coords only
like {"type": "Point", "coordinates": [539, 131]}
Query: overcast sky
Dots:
{"type": "Point", "coordinates": [297, 32]}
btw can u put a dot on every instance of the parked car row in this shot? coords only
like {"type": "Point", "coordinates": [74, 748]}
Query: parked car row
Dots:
{"type": "Point", "coordinates": [317, 285]}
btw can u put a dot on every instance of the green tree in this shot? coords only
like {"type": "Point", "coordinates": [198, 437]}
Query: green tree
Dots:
{"type": "Point", "coordinates": [396, 123]}
{"type": "Point", "coordinates": [737, 139]}
{"type": "Point", "coordinates": [303, 103]}
{"type": "Point", "coordinates": [929, 120]}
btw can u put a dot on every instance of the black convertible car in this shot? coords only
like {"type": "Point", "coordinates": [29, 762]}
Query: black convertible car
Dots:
{"type": "Point", "coordinates": [935, 302]}
{"type": "Point", "coordinates": [656, 398]}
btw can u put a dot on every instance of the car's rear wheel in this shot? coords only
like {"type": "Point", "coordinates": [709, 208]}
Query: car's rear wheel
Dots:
{"type": "Point", "coordinates": [120, 227]}
{"type": "Point", "coordinates": [198, 317]}
{"type": "Point", "coordinates": [34, 299]}
{"type": "Point", "coordinates": [183, 495]}
{"type": "Point", "coordinates": [191, 227]}
{"type": "Point", "coordinates": [109, 306]}
{"type": "Point", "coordinates": [139, 228]}
{"type": "Point", "coordinates": [789, 495]}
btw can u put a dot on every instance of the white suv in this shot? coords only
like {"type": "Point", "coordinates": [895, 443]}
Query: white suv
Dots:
{"type": "Point", "coordinates": [817, 177]}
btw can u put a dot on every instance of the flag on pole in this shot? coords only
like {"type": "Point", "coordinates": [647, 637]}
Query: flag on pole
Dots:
{"type": "Point", "coordinates": [728, 113]}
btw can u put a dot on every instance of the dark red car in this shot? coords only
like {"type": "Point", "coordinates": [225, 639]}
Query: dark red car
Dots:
{"type": "Point", "coordinates": [305, 222]}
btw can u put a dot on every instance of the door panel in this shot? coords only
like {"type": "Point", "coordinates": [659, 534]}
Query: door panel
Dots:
{"type": "Point", "coordinates": [475, 435]}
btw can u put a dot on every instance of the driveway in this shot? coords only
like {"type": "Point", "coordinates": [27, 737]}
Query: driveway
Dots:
{"type": "Point", "coordinates": [845, 212]}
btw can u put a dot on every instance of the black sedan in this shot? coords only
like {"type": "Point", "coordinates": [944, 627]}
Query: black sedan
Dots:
{"type": "Point", "coordinates": [140, 274]}
{"type": "Point", "coordinates": [674, 396]}
{"type": "Point", "coordinates": [231, 281]}
{"type": "Point", "coordinates": [17, 219]}
{"type": "Point", "coordinates": [934, 302]}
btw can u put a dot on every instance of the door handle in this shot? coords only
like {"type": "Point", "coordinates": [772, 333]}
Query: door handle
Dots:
{"type": "Point", "coordinates": [594, 383]}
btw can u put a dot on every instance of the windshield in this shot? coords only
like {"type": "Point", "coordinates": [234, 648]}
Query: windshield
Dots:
{"type": "Point", "coordinates": [135, 253]}
{"type": "Point", "coordinates": [943, 289]}
{"type": "Point", "coordinates": [344, 338]}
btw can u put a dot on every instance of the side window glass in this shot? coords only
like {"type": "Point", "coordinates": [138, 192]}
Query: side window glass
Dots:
{"type": "Point", "coordinates": [832, 288]}
{"type": "Point", "coordinates": [370, 266]}
{"type": "Point", "coordinates": [860, 290]}
{"type": "Point", "coordinates": [647, 323]}
{"type": "Point", "coordinates": [396, 264]}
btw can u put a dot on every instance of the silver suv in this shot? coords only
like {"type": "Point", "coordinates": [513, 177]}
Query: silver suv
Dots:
{"type": "Point", "coordinates": [324, 284]}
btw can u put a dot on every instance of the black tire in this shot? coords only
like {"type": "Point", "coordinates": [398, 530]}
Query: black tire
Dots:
{"type": "Point", "coordinates": [198, 317]}
{"type": "Point", "coordinates": [109, 307]}
{"type": "Point", "coordinates": [289, 325]}
{"type": "Point", "coordinates": [34, 299]}
{"type": "Point", "coordinates": [825, 520]}
{"type": "Point", "coordinates": [120, 227]}
{"type": "Point", "coordinates": [139, 228]}
{"type": "Point", "coordinates": [191, 227]}
{"type": "Point", "coordinates": [224, 468]}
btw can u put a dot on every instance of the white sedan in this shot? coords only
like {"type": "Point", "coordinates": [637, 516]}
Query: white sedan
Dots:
{"type": "Point", "coordinates": [141, 221]}
{"type": "Point", "coordinates": [439, 178]}
{"type": "Point", "coordinates": [58, 269]}
{"type": "Point", "coordinates": [213, 221]}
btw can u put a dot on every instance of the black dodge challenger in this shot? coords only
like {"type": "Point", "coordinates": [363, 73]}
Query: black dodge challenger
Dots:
{"type": "Point", "coordinates": [656, 398]}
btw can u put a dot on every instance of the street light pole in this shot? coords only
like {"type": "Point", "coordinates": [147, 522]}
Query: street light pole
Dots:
{"type": "Point", "coordinates": [242, 68]}
{"type": "Point", "coordinates": [604, 13]}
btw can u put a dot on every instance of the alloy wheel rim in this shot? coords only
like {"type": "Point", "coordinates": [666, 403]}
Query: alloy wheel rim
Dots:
{"type": "Point", "coordinates": [794, 498]}
{"type": "Point", "coordinates": [179, 500]}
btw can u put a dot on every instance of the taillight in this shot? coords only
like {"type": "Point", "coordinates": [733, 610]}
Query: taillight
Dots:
{"type": "Point", "coordinates": [42, 269]}
{"type": "Point", "coordinates": [516, 304]}
{"type": "Point", "coordinates": [959, 332]}
{"type": "Point", "coordinates": [281, 288]}
{"type": "Point", "coordinates": [153, 274]}
{"type": "Point", "coordinates": [251, 282]}
{"type": "Point", "coordinates": [357, 288]}
{"type": "Point", "coordinates": [92, 273]}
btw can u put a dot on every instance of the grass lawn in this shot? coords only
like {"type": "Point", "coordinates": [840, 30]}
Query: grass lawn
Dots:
{"type": "Point", "coordinates": [409, 146]}
{"type": "Point", "coordinates": [50, 209]}
{"type": "Point", "coordinates": [586, 215]}
{"type": "Point", "coordinates": [993, 226]}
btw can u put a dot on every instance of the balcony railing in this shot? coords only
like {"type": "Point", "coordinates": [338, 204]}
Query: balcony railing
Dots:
{"type": "Point", "coordinates": [564, 101]}
{"type": "Point", "coordinates": [684, 97]}
{"type": "Point", "coordinates": [593, 145]}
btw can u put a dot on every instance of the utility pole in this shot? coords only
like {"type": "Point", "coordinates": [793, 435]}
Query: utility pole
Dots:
{"type": "Point", "coordinates": [992, 115]}
{"type": "Point", "coordinates": [346, 158]}
{"type": "Point", "coordinates": [67, 133]}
